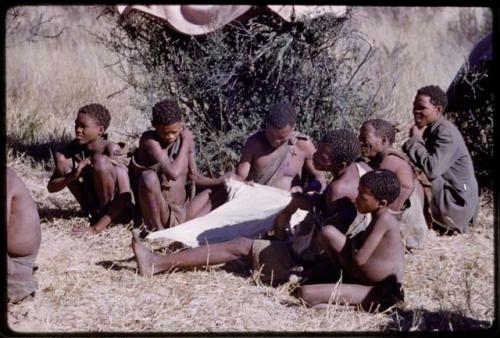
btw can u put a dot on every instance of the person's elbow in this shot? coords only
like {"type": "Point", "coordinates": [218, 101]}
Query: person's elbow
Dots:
{"type": "Point", "coordinates": [360, 260]}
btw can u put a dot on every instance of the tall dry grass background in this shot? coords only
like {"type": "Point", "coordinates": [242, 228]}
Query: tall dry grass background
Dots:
{"type": "Point", "coordinates": [90, 284]}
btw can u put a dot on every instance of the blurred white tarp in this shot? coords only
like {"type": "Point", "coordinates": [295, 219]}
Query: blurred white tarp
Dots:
{"type": "Point", "coordinates": [202, 19]}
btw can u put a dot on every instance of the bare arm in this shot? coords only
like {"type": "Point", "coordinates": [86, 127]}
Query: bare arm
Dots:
{"type": "Point", "coordinates": [371, 243]}
{"type": "Point", "coordinates": [198, 178]}
{"type": "Point", "coordinates": [404, 173]}
{"type": "Point", "coordinates": [245, 163]}
{"type": "Point", "coordinates": [62, 177]}
{"type": "Point", "coordinates": [10, 192]}
{"type": "Point", "coordinates": [173, 169]}
{"type": "Point", "coordinates": [319, 182]}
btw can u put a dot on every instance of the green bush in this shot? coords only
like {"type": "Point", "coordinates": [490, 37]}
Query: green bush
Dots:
{"type": "Point", "coordinates": [226, 80]}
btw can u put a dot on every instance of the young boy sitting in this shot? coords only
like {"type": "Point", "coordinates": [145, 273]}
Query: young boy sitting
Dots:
{"type": "Point", "coordinates": [276, 259]}
{"type": "Point", "coordinates": [94, 170]}
{"type": "Point", "coordinates": [23, 239]}
{"type": "Point", "coordinates": [159, 171]}
{"type": "Point", "coordinates": [373, 260]}
{"type": "Point", "coordinates": [377, 137]}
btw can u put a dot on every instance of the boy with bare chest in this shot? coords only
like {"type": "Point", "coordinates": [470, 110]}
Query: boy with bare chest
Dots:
{"type": "Point", "coordinates": [277, 155]}
{"type": "Point", "coordinates": [373, 260]}
{"type": "Point", "coordinates": [160, 168]}
{"type": "Point", "coordinates": [377, 137]}
{"type": "Point", "coordinates": [23, 239]}
{"type": "Point", "coordinates": [94, 170]}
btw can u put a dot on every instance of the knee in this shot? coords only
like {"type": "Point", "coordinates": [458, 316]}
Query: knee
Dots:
{"type": "Point", "coordinates": [149, 181]}
{"type": "Point", "coordinates": [241, 246]}
{"type": "Point", "coordinates": [101, 163]}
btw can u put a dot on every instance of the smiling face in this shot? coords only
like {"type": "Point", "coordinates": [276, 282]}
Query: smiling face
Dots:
{"type": "Point", "coordinates": [424, 112]}
{"type": "Point", "coordinates": [371, 143]}
{"type": "Point", "coordinates": [87, 129]}
{"type": "Point", "coordinates": [168, 133]}
{"type": "Point", "coordinates": [366, 202]}
{"type": "Point", "coordinates": [277, 137]}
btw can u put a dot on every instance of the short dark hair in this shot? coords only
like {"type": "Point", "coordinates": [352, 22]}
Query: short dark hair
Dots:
{"type": "Point", "coordinates": [382, 183]}
{"type": "Point", "coordinates": [344, 145]}
{"type": "Point", "coordinates": [383, 128]}
{"type": "Point", "coordinates": [280, 115]}
{"type": "Point", "coordinates": [437, 95]}
{"type": "Point", "coordinates": [166, 112]}
{"type": "Point", "coordinates": [98, 112]}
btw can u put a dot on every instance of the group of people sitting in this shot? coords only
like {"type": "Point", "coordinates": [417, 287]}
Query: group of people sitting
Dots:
{"type": "Point", "coordinates": [430, 184]}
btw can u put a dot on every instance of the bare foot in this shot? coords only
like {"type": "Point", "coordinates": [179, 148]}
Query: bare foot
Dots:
{"type": "Point", "coordinates": [83, 230]}
{"type": "Point", "coordinates": [142, 255]}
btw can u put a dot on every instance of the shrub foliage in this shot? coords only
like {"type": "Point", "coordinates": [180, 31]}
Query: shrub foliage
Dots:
{"type": "Point", "coordinates": [226, 80]}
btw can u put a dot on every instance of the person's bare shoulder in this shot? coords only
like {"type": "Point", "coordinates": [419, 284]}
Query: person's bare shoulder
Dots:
{"type": "Point", "coordinates": [148, 139]}
{"type": "Point", "coordinates": [388, 221]}
{"type": "Point", "coordinates": [393, 162]}
{"type": "Point", "coordinates": [254, 141]}
{"type": "Point", "coordinates": [305, 146]}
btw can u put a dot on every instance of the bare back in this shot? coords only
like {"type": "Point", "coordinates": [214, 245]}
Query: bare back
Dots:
{"type": "Point", "coordinates": [405, 175]}
{"type": "Point", "coordinates": [381, 253]}
{"type": "Point", "coordinates": [23, 222]}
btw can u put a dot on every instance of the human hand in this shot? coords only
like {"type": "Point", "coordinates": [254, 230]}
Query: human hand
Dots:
{"type": "Point", "coordinates": [78, 170]}
{"type": "Point", "coordinates": [416, 131]}
{"type": "Point", "coordinates": [296, 189]}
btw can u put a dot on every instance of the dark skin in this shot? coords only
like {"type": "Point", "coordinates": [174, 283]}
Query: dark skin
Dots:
{"type": "Point", "coordinates": [111, 182]}
{"type": "Point", "coordinates": [149, 263]}
{"type": "Point", "coordinates": [258, 151]}
{"type": "Point", "coordinates": [379, 255]}
{"type": "Point", "coordinates": [23, 225]}
{"type": "Point", "coordinates": [153, 148]}
{"type": "Point", "coordinates": [373, 146]}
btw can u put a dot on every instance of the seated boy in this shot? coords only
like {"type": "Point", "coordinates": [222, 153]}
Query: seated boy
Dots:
{"type": "Point", "coordinates": [23, 239]}
{"type": "Point", "coordinates": [376, 137]}
{"type": "Point", "coordinates": [159, 171]}
{"type": "Point", "coordinates": [373, 260]}
{"type": "Point", "coordinates": [94, 170]}
{"type": "Point", "coordinates": [275, 260]}
{"type": "Point", "coordinates": [437, 148]}
{"type": "Point", "coordinates": [277, 155]}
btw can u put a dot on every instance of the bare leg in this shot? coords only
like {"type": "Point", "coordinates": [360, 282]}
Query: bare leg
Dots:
{"type": "Point", "coordinates": [153, 205]}
{"type": "Point", "coordinates": [348, 294]}
{"type": "Point", "coordinates": [149, 263]}
{"type": "Point", "coordinates": [199, 206]}
{"type": "Point", "coordinates": [104, 180]}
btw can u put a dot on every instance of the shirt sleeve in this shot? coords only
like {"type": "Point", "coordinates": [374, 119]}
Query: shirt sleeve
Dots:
{"type": "Point", "coordinates": [436, 161]}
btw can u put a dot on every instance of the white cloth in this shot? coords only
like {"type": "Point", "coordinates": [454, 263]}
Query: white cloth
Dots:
{"type": "Point", "coordinates": [249, 212]}
{"type": "Point", "coordinates": [203, 19]}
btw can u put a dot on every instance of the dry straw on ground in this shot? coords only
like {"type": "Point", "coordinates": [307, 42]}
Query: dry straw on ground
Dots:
{"type": "Point", "coordinates": [91, 284]}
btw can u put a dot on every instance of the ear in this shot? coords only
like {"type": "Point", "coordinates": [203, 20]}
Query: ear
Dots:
{"type": "Point", "coordinates": [382, 203]}
{"type": "Point", "coordinates": [101, 130]}
{"type": "Point", "coordinates": [439, 109]}
{"type": "Point", "coordinates": [343, 165]}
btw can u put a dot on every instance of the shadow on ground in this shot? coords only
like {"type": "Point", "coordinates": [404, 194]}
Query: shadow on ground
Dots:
{"type": "Point", "coordinates": [424, 320]}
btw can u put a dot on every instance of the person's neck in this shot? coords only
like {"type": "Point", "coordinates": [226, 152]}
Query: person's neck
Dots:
{"type": "Point", "coordinates": [378, 212]}
{"type": "Point", "coordinates": [92, 146]}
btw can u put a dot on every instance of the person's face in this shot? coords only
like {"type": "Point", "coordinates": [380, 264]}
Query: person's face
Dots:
{"type": "Point", "coordinates": [87, 129]}
{"type": "Point", "coordinates": [424, 112]}
{"type": "Point", "coordinates": [278, 137]}
{"type": "Point", "coordinates": [168, 133]}
{"type": "Point", "coordinates": [365, 201]}
{"type": "Point", "coordinates": [371, 143]}
{"type": "Point", "coordinates": [321, 158]}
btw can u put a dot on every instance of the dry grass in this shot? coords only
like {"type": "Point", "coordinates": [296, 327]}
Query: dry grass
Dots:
{"type": "Point", "coordinates": [91, 284]}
